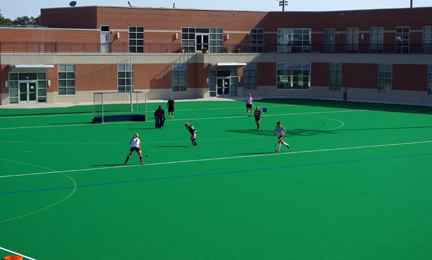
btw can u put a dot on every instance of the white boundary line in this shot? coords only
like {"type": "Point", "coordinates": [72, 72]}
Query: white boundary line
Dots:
{"type": "Point", "coordinates": [91, 113]}
{"type": "Point", "coordinates": [209, 118]}
{"type": "Point", "coordinates": [16, 253]}
{"type": "Point", "coordinates": [223, 158]}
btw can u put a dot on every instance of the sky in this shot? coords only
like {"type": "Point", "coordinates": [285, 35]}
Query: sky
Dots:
{"type": "Point", "coordinates": [12, 9]}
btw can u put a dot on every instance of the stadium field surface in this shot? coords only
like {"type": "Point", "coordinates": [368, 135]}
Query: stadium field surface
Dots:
{"type": "Point", "coordinates": [355, 184]}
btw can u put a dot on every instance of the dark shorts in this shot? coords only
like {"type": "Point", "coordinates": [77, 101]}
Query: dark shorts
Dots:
{"type": "Point", "coordinates": [136, 149]}
{"type": "Point", "coordinates": [248, 105]}
{"type": "Point", "coordinates": [171, 109]}
{"type": "Point", "coordinates": [257, 118]}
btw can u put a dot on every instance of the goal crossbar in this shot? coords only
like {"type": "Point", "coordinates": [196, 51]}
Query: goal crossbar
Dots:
{"type": "Point", "coordinates": [102, 100]}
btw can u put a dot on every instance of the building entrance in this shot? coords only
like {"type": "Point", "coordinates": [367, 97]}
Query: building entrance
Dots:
{"type": "Point", "coordinates": [223, 86]}
{"type": "Point", "coordinates": [27, 92]}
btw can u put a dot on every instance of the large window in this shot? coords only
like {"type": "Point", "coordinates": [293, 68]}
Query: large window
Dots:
{"type": "Point", "coordinates": [179, 77]}
{"type": "Point", "coordinates": [66, 79]}
{"type": "Point", "coordinates": [430, 80]}
{"type": "Point", "coordinates": [329, 40]}
{"type": "Point", "coordinates": [294, 40]}
{"type": "Point", "coordinates": [376, 39]}
{"type": "Point", "coordinates": [136, 39]}
{"type": "Point", "coordinates": [250, 76]}
{"type": "Point", "coordinates": [402, 39]}
{"type": "Point", "coordinates": [195, 39]}
{"type": "Point", "coordinates": [290, 75]}
{"type": "Point", "coordinates": [427, 39]}
{"type": "Point", "coordinates": [125, 77]}
{"type": "Point", "coordinates": [385, 78]}
{"type": "Point", "coordinates": [335, 76]}
{"type": "Point", "coordinates": [257, 39]}
{"type": "Point", "coordinates": [351, 40]}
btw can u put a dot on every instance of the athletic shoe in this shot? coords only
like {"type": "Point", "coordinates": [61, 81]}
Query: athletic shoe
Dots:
{"type": "Point", "coordinates": [288, 146]}
{"type": "Point", "coordinates": [125, 162]}
{"type": "Point", "coordinates": [277, 151]}
{"type": "Point", "coordinates": [142, 163]}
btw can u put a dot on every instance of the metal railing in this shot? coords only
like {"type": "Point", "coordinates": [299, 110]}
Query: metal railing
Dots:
{"type": "Point", "coordinates": [91, 47]}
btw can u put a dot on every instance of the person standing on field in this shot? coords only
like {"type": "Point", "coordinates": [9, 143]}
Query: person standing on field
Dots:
{"type": "Point", "coordinates": [249, 104]}
{"type": "Point", "coordinates": [257, 115]}
{"type": "Point", "coordinates": [135, 145]}
{"type": "Point", "coordinates": [171, 106]}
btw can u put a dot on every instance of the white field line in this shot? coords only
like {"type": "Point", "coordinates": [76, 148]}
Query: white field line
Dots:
{"type": "Point", "coordinates": [225, 158]}
{"type": "Point", "coordinates": [4, 249]}
{"type": "Point", "coordinates": [209, 118]}
{"type": "Point", "coordinates": [90, 113]}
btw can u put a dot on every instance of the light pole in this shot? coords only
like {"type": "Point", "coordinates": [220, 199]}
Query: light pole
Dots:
{"type": "Point", "coordinates": [284, 3]}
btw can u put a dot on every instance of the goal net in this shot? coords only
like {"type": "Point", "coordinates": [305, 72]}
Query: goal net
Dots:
{"type": "Point", "coordinates": [119, 106]}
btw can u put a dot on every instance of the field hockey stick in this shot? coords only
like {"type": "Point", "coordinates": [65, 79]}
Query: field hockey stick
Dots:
{"type": "Point", "coordinates": [192, 118]}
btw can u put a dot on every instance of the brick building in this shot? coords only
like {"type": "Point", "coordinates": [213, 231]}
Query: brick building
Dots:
{"type": "Point", "coordinates": [378, 55]}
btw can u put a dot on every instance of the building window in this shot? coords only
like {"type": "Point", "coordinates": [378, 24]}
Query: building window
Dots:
{"type": "Point", "coordinates": [376, 39]}
{"type": "Point", "coordinates": [66, 79]}
{"type": "Point", "coordinates": [294, 40]}
{"type": "Point", "coordinates": [351, 41]}
{"type": "Point", "coordinates": [385, 78]}
{"type": "Point", "coordinates": [329, 40]}
{"type": "Point", "coordinates": [179, 77]}
{"type": "Point", "coordinates": [257, 39]}
{"type": "Point", "coordinates": [335, 76]}
{"type": "Point", "coordinates": [427, 39]}
{"type": "Point", "coordinates": [402, 39]}
{"type": "Point", "coordinates": [430, 81]}
{"type": "Point", "coordinates": [250, 76]}
{"type": "Point", "coordinates": [125, 77]}
{"type": "Point", "coordinates": [290, 75]}
{"type": "Point", "coordinates": [195, 39]}
{"type": "Point", "coordinates": [136, 39]}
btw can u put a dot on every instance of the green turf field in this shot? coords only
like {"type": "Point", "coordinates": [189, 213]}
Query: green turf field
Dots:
{"type": "Point", "coordinates": [356, 183]}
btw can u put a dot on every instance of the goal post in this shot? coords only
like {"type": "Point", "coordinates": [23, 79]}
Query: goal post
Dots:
{"type": "Point", "coordinates": [119, 106]}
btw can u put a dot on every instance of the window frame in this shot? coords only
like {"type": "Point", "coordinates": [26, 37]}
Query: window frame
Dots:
{"type": "Point", "coordinates": [376, 43]}
{"type": "Point", "coordinates": [67, 79]}
{"type": "Point", "coordinates": [256, 40]}
{"type": "Point", "coordinates": [352, 39]}
{"type": "Point", "coordinates": [292, 75]}
{"type": "Point", "coordinates": [383, 82]}
{"type": "Point", "coordinates": [289, 40]}
{"type": "Point", "coordinates": [250, 80]}
{"type": "Point", "coordinates": [337, 84]}
{"type": "Point", "coordinates": [329, 40]}
{"type": "Point", "coordinates": [403, 42]}
{"type": "Point", "coordinates": [127, 85]}
{"type": "Point", "coordinates": [137, 46]}
{"type": "Point", "coordinates": [178, 76]}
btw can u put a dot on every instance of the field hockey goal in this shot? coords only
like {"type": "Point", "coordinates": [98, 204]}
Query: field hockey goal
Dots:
{"type": "Point", "coordinates": [119, 106]}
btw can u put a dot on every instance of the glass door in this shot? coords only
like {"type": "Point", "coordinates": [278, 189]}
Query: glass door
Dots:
{"type": "Point", "coordinates": [202, 41]}
{"type": "Point", "coordinates": [223, 86]}
{"type": "Point", "coordinates": [27, 92]}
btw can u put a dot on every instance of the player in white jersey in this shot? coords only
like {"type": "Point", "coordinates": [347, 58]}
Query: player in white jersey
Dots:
{"type": "Point", "coordinates": [135, 145]}
{"type": "Point", "coordinates": [280, 132]}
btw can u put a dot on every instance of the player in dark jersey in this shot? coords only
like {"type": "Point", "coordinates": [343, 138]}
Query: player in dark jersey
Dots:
{"type": "Point", "coordinates": [193, 132]}
{"type": "Point", "coordinates": [171, 106]}
{"type": "Point", "coordinates": [257, 115]}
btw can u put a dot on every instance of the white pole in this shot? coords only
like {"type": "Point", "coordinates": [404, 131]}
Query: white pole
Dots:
{"type": "Point", "coordinates": [130, 77]}
{"type": "Point", "coordinates": [102, 110]}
